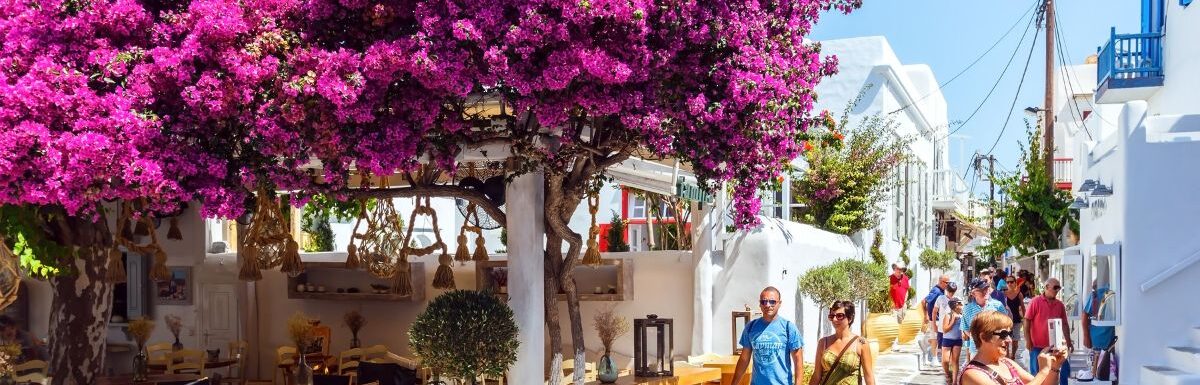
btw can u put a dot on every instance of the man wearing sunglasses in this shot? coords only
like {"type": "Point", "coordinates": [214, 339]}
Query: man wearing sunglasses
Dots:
{"type": "Point", "coordinates": [774, 343]}
{"type": "Point", "coordinates": [1040, 311]}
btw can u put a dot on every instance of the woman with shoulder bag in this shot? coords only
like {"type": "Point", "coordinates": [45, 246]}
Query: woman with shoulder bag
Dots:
{"type": "Point", "coordinates": [992, 333]}
{"type": "Point", "coordinates": [843, 358]}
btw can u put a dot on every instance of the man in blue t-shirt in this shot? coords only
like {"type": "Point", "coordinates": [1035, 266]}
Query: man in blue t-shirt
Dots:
{"type": "Point", "coordinates": [775, 345]}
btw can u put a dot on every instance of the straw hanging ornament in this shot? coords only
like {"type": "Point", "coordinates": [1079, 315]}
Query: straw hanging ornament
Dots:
{"type": "Point", "coordinates": [402, 281]}
{"type": "Point", "coordinates": [266, 240]}
{"type": "Point", "coordinates": [382, 245]}
{"type": "Point", "coordinates": [10, 279]}
{"type": "Point", "coordinates": [591, 257]}
{"type": "Point", "coordinates": [116, 268]}
{"type": "Point", "coordinates": [444, 278]}
{"type": "Point", "coordinates": [352, 259]}
{"type": "Point", "coordinates": [462, 253]}
{"type": "Point", "coordinates": [158, 271]}
{"type": "Point", "coordinates": [291, 264]}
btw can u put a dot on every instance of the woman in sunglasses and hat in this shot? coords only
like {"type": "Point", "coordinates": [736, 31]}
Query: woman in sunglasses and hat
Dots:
{"type": "Point", "coordinates": [992, 334]}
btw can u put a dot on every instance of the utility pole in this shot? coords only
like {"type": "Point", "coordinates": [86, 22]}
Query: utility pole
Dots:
{"type": "Point", "coordinates": [1048, 120]}
{"type": "Point", "coordinates": [991, 185]}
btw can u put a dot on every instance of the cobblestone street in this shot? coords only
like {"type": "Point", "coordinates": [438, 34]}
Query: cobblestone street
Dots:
{"type": "Point", "coordinates": [901, 368]}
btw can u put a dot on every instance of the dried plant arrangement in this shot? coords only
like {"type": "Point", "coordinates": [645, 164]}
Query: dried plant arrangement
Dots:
{"type": "Point", "coordinates": [610, 326]}
{"type": "Point", "coordinates": [300, 329]}
{"type": "Point", "coordinates": [140, 329]}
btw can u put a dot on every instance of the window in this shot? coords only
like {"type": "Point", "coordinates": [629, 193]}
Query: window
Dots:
{"type": "Point", "coordinates": [637, 207]}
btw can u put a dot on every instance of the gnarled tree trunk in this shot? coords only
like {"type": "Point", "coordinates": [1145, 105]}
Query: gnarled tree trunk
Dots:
{"type": "Point", "coordinates": [79, 321]}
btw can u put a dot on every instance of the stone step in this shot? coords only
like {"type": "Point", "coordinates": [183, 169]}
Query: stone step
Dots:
{"type": "Point", "coordinates": [1185, 358]}
{"type": "Point", "coordinates": [1196, 336]}
{"type": "Point", "coordinates": [1162, 375]}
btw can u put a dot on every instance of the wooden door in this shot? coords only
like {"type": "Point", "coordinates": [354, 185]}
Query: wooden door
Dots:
{"type": "Point", "coordinates": [219, 318]}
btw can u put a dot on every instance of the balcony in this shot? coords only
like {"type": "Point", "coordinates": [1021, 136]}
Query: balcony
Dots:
{"type": "Point", "coordinates": [949, 191]}
{"type": "Point", "coordinates": [1063, 173]}
{"type": "Point", "coordinates": [1129, 67]}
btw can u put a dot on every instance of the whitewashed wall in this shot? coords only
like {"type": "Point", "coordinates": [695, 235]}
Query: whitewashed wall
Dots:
{"type": "Point", "coordinates": [1180, 51]}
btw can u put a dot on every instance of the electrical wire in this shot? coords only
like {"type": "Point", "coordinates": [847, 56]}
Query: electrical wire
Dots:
{"type": "Point", "coordinates": [1016, 96]}
{"type": "Point", "coordinates": [977, 59]}
{"type": "Point", "coordinates": [1070, 82]}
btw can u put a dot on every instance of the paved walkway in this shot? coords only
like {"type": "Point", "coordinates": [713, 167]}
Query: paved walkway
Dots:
{"type": "Point", "coordinates": [901, 368]}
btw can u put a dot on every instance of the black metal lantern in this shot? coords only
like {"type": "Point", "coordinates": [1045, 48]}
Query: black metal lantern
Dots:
{"type": "Point", "coordinates": [738, 323]}
{"type": "Point", "coordinates": [657, 363]}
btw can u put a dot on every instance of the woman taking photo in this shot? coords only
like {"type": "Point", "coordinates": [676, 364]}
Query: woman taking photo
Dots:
{"type": "Point", "coordinates": [992, 333]}
{"type": "Point", "coordinates": [843, 358]}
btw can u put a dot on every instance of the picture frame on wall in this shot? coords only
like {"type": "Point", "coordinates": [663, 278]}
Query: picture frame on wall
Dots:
{"type": "Point", "coordinates": [177, 290]}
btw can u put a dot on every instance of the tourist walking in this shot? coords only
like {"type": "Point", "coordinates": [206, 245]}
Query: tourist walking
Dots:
{"type": "Point", "coordinates": [1016, 307]}
{"type": "Point", "coordinates": [843, 358]}
{"type": "Point", "coordinates": [1042, 309]}
{"type": "Point", "coordinates": [978, 303]}
{"type": "Point", "coordinates": [774, 343]}
{"type": "Point", "coordinates": [929, 324]}
{"type": "Point", "coordinates": [949, 311]}
{"type": "Point", "coordinates": [1097, 338]}
{"type": "Point", "coordinates": [993, 334]}
{"type": "Point", "coordinates": [898, 289]}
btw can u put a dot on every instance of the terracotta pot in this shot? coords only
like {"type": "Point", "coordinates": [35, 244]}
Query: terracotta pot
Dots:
{"type": "Point", "coordinates": [882, 327]}
{"type": "Point", "coordinates": [911, 326]}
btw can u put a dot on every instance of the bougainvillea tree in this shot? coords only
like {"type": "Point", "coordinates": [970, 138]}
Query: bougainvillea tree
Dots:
{"type": "Point", "coordinates": [162, 102]}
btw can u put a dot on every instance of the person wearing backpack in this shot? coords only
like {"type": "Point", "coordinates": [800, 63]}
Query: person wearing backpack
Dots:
{"type": "Point", "coordinates": [929, 320]}
{"type": "Point", "coordinates": [774, 344]}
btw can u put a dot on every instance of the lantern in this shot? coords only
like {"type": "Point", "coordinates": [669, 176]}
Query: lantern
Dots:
{"type": "Point", "coordinates": [656, 363]}
{"type": "Point", "coordinates": [738, 323]}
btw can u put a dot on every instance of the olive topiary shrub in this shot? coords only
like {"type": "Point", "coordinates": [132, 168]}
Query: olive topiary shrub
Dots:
{"type": "Point", "coordinates": [465, 334]}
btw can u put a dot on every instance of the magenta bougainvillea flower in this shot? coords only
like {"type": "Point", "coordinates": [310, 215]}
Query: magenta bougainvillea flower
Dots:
{"type": "Point", "coordinates": [181, 100]}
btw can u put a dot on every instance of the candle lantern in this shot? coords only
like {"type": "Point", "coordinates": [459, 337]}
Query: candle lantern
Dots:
{"type": "Point", "coordinates": [738, 323]}
{"type": "Point", "coordinates": [652, 354]}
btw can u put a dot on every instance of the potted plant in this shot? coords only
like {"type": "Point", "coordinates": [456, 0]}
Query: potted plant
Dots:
{"type": "Point", "coordinates": [9, 354]}
{"type": "Point", "coordinates": [300, 329]}
{"type": "Point", "coordinates": [609, 326]}
{"type": "Point", "coordinates": [354, 321]}
{"type": "Point", "coordinates": [466, 334]}
{"type": "Point", "coordinates": [140, 330]}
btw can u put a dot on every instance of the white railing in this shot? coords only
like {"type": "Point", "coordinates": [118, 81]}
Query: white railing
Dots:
{"type": "Point", "coordinates": [1063, 170]}
{"type": "Point", "coordinates": [1170, 272]}
{"type": "Point", "coordinates": [949, 185]}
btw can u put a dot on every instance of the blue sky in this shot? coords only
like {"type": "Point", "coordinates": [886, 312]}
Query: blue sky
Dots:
{"type": "Point", "coordinates": [949, 34]}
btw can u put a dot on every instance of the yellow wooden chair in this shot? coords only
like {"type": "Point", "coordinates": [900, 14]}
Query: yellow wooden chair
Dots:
{"type": "Point", "coordinates": [375, 354]}
{"type": "Point", "coordinates": [568, 368]}
{"type": "Point", "coordinates": [156, 354]}
{"type": "Point", "coordinates": [186, 361]}
{"type": "Point", "coordinates": [348, 363]}
{"type": "Point", "coordinates": [237, 352]}
{"type": "Point", "coordinates": [31, 372]}
{"type": "Point", "coordinates": [284, 356]}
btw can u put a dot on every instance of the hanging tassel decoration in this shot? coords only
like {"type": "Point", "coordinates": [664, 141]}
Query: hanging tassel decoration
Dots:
{"type": "Point", "coordinates": [402, 282]}
{"type": "Point", "coordinates": [250, 270]}
{"type": "Point", "coordinates": [173, 232]}
{"type": "Point", "coordinates": [591, 257]}
{"type": "Point", "coordinates": [126, 229]}
{"type": "Point", "coordinates": [159, 271]}
{"type": "Point", "coordinates": [142, 229]}
{"type": "Point", "coordinates": [480, 254]}
{"type": "Point", "coordinates": [292, 265]}
{"type": "Point", "coordinates": [444, 278]}
{"type": "Point", "coordinates": [352, 261]}
{"type": "Point", "coordinates": [462, 253]}
{"type": "Point", "coordinates": [116, 267]}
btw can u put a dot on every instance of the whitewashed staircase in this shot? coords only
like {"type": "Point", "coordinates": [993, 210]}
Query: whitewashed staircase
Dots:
{"type": "Point", "coordinates": [1183, 365]}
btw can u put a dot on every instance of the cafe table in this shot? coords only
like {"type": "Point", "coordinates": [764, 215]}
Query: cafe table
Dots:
{"type": "Point", "coordinates": [208, 364]}
{"type": "Point", "coordinates": [682, 376]}
{"type": "Point", "coordinates": [153, 379]}
{"type": "Point", "coordinates": [727, 364]}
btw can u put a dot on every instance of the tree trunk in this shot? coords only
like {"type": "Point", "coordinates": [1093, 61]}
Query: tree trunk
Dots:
{"type": "Point", "coordinates": [79, 321]}
{"type": "Point", "coordinates": [553, 327]}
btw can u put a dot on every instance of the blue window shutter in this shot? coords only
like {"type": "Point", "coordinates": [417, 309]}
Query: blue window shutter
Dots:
{"type": "Point", "coordinates": [1185, 2]}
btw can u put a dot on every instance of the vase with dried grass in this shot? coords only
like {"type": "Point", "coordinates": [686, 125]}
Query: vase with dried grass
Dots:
{"type": "Point", "coordinates": [609, 326]}
{"type": "Point", "coordinates": [354, 321]}
{"type": "Point", "coordinates": [300, 329]}
{"type": "Point", "coordinates": [175, 325]}
{"type": "Point", "coordinates": [140, 330]}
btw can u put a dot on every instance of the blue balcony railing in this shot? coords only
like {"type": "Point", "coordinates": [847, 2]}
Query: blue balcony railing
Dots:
{"type": "Point", "coordinates": [1131, 60]}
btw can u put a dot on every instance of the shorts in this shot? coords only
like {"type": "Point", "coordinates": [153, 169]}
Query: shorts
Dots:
{"type": "Point", "coordinates": [951, 343]}
{"type": "Point", "coordinates": [939, 342]}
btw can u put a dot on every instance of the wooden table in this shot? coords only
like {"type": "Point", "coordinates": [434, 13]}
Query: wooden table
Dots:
{"type": "Point", "coordinates": [683, 376]}
{"type": "Point", "coordinates": [221, 363]}
{"type": "Point", "coordinates": [310, 359]}
{"type": "Point", "coordinates": [728, 364]}
{"type": "Point", "coordinates": [127, 379]}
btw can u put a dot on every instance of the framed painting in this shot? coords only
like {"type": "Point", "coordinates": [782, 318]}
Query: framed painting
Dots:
{"type": "Point", "coordinates": [177, 290]}
{"type": "Point", "coordinates": [320, 341]}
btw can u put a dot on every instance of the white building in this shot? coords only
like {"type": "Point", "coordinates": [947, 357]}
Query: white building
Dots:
{"type": "Point", "coordinates": [1138, 226]}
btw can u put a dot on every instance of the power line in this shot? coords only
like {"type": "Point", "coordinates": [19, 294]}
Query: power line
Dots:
{"type": "Point", "coordinates": [997, 82]}
{"type": "Point", "coordinates": [1070, 82]}
{"type": "Point", "coordinates": [976, 61]}
{"type": "Point", "coordinates": [1016, 95]}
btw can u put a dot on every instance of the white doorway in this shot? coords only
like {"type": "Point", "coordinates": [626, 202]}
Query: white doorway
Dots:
{"type": "Point", "coordinates": [219, 316]}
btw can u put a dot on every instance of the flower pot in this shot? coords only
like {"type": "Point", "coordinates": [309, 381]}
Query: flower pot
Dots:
{"type": "Point", "coordinates": [883, 328]}
{"type": "Point", "coordinates": [606, 370]}
{"type": "Point", "coordinates": [911, 326]}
